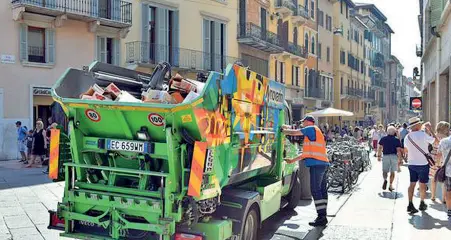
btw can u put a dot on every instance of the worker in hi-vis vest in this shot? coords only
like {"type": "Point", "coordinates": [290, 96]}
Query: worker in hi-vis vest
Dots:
{"type": "Point", "coordinates": [315, 158]}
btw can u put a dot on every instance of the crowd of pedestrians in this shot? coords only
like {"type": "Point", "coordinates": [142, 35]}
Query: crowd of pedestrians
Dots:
{"type": "Point", "coordinates": [426, 152]}
{"type": "Point", "coordinates": [33, 144]}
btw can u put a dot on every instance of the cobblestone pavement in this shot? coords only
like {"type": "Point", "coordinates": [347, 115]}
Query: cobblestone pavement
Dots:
{"type": "Point", "coordinates": [366, 213]}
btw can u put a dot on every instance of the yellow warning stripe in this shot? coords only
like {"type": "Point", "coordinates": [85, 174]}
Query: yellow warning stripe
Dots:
{"type": "Point", "coordinates": [54, 153]}
{"type": "Point", "coordinates": [138, 108]}
{"type": "Point", "coordinates": [197, 169]}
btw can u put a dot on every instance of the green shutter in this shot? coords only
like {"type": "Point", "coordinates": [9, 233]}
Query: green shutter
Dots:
{"type": "Point", "coordinates": [145, 34]}
{"type": "Point", "coordinates": [436, 11]}
{"type": "Point", "coordinates": [207, 44]}
{"type": "Point", "coordinates": [217, 56]}
{"type": "Point", "coordinates": [116, 10]}
{"type": "Point", "coordinates": [50, 4]}
{"type": "Point", "coordinates": [95, 8]}
{"type": "Point", "coordinates": [50, 45]}
{"type": "Point", "coordinates": [161, 26]}
{"type": "Point", "coordinates": [116, 52]}
{"type": "Point", "coordinates": [175, 51]}
{"type": "Point", "coordinates": [23, 42]}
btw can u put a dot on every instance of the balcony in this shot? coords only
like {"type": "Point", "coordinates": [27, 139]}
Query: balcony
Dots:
{"type": "Point", "coordinates": [419, 50]}
{"type": "Point", "coordinates": [117, 13]}
{"type": "Point", "coordinates": [378, 104]}
{"type": "Point", "coordinates": [300, 16]}
{"type": "Point", "coordinates": [298, 53]}
{"type": "Point", "coordinates": [284, 7]}
{"type": "Point", "coordinates": [378, 84]}
{"type": "Point", "coordinates": [351, 93]}
{"type": "Point", "coordinates": [256, 37]}
{"type": "Point", "coordinates": [315, 93]}
{"type": "Point", "coordinates": [144, 53]}
{"type": "Point", "coordinates": [369, 96]}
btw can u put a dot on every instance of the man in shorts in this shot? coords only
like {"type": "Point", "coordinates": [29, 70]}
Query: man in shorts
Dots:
{"type": "Point", "coordinates": [415, 143]}
{"type": "Point", "coordinates": [391, 147]}
{"type": "Point", "coordinates": [21, 135]}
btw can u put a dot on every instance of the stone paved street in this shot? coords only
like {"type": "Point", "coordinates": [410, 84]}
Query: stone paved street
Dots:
{"type": "Point", "coordinates": [366, 213]}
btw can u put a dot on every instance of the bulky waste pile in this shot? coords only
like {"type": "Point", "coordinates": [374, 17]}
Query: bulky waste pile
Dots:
{"type": "Point", "coordinates": [181, 90]}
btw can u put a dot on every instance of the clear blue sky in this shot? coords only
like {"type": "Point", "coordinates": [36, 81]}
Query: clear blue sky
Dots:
{"type": "Point", "coordinates": [402, 17]}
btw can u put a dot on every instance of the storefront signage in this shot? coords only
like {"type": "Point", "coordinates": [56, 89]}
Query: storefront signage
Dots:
{"type": "Point", "coordinates": [39, 91]}
{"type": "Point", "coordinates": [8, 58]}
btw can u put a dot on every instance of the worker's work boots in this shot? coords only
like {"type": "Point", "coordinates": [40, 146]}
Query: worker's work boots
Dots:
{"type": "Point", "coordinates": [319, 222]}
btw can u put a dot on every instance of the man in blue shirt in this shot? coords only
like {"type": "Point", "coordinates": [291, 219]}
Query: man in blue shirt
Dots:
{"type": "Point", "coordinates": [21, 136]}
{"type": "Point", "coordinates": [315, 158]}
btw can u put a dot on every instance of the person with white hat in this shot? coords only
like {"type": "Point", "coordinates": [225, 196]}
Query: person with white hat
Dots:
{"type": "Point", "coordinates": [416, 146]}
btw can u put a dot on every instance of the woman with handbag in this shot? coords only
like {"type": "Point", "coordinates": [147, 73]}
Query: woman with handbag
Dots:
{"type": "Point", "coordinates": [442, 131]}
{"type": "Point", "coordinates": [444, 173]}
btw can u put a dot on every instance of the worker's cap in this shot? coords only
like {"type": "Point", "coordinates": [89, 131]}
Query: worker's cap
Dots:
{"type": "Point", "coordinates": [309, 118]}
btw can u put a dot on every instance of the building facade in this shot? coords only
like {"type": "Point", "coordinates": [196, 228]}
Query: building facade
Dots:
{"type": "Point", "coordinates": [41, 40]}
{"type": "Point", "coordinates": [395, 70]}
{"type": "Point", "coordinates": [192, 36]}
{"type": "Point", "coordinates": [435, 51]}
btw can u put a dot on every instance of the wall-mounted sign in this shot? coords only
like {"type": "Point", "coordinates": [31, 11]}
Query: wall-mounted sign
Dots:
{"type": "Point", "coordinates": [416, 103]}
{"type": "Point", "coordinates": [41, 91]}
{"type": "Point", "coordinates": [8, 58]}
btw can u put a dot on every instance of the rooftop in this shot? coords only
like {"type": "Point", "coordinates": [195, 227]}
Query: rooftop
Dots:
{"type": "Point", "coordinates": [373, 10]}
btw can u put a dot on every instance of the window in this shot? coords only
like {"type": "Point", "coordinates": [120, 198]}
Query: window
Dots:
{"type": "Point", "coordinates": [295, 74]}
{"type": "Point", "coordinates": [347, 11]}
{"type": "Point", "coordinates": [348, 34]}
{"type": "Point", "coordinates": [263, 19]}
{"type": "Point", "coordinates": [108, 50]}
{"type": "Point", "coordinates": [313, 45]}
{"type": "Point", "coordinates": [321, 18]}
{"type": "Point", "coordinates": [327, 21]}
{"type": "Point", "coordinates": [341, 85]}
{"type": "Point", "coordinates": [280, 71]}
{"type": "Point", "coordinates": [214, 35]}
{"type": "Point", "coordinates": [319, 50]}
{"type": "Point", "coordinates": [162, 34]}
{"type": "Point", "coordinates": [362, 67]}
{"type": "Point", "coordinates": [328, 54]}
{"type": "Point", "coordinates": [330, 23]}
{"type": "Point", "coordinates": [306, 78]}
{"type": "Point", "coordinates": [312, 9]}
{"type": "Point", "coordinates": [37, 45]}
{"type": "Point", "coordinates": [341, 6]}
{"type": "Point", "coordinates": [295, 36]}
{"type": "Point", "coordinates": [306, 42]}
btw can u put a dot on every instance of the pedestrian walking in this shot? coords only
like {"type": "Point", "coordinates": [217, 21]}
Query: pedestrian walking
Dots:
{"type": "Point", "coordinates": [390, 146]}
{"type": "Point", "coordinates": [442, 132]}
{"type": "Point", "coordinates": [315, 158]}
{"type": "Point", "coordinates": [39, 144]}
{"type": "Point", "coordinates": [21, 136]}
{"type": "Point", "coordinates": [444, 150]}
{"type": "Point", "coordinates": [29, 141]}
{"type": "Point", "coordinates": [416, 146]}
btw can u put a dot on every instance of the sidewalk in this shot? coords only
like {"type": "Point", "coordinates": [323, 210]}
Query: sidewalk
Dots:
{"type": "Point", "coordinates": [371, 213]}
{"type": "Point", "coordinates": [26, 194]}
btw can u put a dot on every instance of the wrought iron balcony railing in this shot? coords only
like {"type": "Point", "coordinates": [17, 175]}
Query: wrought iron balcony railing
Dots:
{"type": "Point", "coordinates": [315, 93]}
{"type": "Point", "coordinates": [144, 52]}
{"type": "Point", "coordinates": [115, 10]}
{"type": "Point", "coordinates": [285, 3]}
{"type": "Point", "coordinates": [296, 50]}
{"type": "Point", "coordinates": [302, 11]}
{"type": "Point", "coordinates": [252, 30]}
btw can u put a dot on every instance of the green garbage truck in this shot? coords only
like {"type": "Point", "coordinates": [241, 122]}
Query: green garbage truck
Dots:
{"type": "Point", "coordinates": [209, 167]}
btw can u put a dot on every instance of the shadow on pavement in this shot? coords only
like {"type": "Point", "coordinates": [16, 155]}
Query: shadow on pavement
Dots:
{"type": "Point", "coordinates": [391, 195]}
{"type": "Point", "coordinates": [272, 224]}
{"type": "Point", "coordinates": [13, 174]}
{"type": "Point", "coordinates": [427, 222]}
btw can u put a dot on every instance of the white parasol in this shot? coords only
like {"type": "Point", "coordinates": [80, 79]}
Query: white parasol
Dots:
{"type": "Point", "coordinates": [331, 112]}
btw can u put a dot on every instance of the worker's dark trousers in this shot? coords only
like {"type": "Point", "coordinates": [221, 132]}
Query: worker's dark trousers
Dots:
{"type": "Point", "coordinates": [318, 187]}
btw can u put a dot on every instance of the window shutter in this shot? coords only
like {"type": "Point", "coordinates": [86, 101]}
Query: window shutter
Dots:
{"type": "Point", "coordinates": [23, 42]}
{"type": "Point", "coordinates": [161, 24]}
{"type": "Point", "coordinates": [145, 44]}
{"type": "Point", "coordinates": [116, 10]}
{"type": "Point", "coordinates": [50, 45]}
{"type": "Point", "coordinates": [116, 52]}
{"type": "Point", "coordinates": [175, 51]}
{"type": "Point", "coordinates": [217, 47]}
{"type": "Point", "coordinates": [282, 66]}
{"type": "Point", "coordinates": [207, 45]}
{"type": "Point", "coordinates": [436, 12]}
{"type": "Point", "coordinates": [101, 49]}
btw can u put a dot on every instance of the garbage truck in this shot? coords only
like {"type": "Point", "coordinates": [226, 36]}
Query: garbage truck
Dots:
{"type": "Point", "coordinates": [211, 167]}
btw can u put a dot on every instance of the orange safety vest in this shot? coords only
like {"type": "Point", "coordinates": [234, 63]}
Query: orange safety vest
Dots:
{"type": "Point", "coordinates": [315, 149]}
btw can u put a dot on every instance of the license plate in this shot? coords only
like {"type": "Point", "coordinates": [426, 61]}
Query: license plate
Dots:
{"type": "Point", "coordinates": [130, 146]}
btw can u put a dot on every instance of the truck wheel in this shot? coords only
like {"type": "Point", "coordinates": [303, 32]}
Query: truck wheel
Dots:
{"type": "Point", "coordinates": [295, 195]}
{"type": "Point", "coordinates": [250, 228]}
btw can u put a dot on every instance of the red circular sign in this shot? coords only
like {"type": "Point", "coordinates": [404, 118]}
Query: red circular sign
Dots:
{"type": "Point", "coordinates": [92, 115]}
{"type": "Point", "coordinates": [156, 119]}
{"type": "Point", "coordinates": [416, 103]}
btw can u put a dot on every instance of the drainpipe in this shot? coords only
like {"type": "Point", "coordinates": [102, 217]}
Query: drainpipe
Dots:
{"type": "Point", "coordinates": [437, 80]}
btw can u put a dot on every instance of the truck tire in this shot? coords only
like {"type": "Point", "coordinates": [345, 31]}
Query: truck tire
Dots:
{"type": "Point", "coordinates": [251, 225]}
{"type": "Point", "coordinates": [295, 194]}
